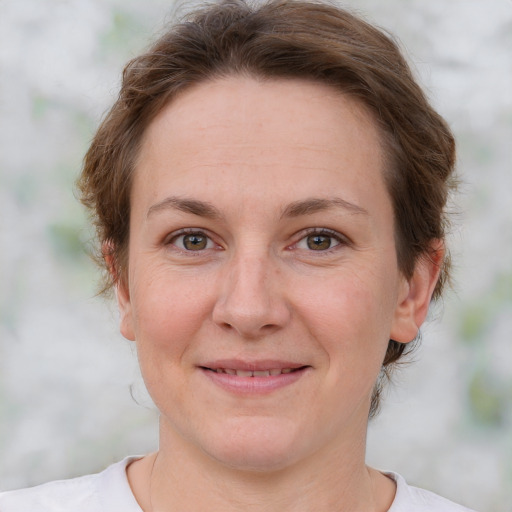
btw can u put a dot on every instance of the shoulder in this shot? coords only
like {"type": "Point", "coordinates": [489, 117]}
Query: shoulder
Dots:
{"type": "Point", "coordinates": [78, 494]}
{"type": "Point", "coordinates": [107, 491]}
{"type": "Point", "coordinates": [413, 499]}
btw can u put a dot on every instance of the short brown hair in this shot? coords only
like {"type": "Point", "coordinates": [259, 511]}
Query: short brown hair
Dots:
{"type": "Point", "coordinates": [281, 39]}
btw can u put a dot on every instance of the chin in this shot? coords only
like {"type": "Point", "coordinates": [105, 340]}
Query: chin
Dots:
{"type": "Point", "coordinates": [251, 444]}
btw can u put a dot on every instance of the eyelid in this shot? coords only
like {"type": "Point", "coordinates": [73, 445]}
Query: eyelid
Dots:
{"type": "Point", "coordinates": [171, 237]}
{"type": "Point", "coordinates": [342, 240]}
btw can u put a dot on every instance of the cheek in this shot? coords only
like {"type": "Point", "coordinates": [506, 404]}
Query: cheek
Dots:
{"type": "Point", "coordinates": [168, 314]}
{"type": "Point", "coordinates": [351, 318]}
{"type": "Point", "coordinates": [168, 311]}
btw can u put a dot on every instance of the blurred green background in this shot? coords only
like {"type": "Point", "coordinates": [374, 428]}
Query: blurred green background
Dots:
{"type": "Point", "coordinates": [71, 398]}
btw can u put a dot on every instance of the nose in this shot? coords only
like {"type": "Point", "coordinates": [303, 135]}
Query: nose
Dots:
{"type": "Point", "coordinates": [251, 299]}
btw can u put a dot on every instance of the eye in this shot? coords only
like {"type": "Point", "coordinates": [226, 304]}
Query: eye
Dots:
{"type": "Point", "coordinates": [319, 240]}
{"type": "Point", "coordinates": [193, 241]}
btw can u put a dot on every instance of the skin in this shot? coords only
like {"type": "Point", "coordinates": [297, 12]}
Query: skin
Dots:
{"type": "Point", "coordinates": [249, 157]}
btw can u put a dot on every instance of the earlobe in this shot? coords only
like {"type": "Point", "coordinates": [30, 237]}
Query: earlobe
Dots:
{"type": "Point", "coordinates": [125, 310]}
{"type": "Point", "coordinates": [416, 294]}
{"type": "Point", "coordinates": [122, 294]}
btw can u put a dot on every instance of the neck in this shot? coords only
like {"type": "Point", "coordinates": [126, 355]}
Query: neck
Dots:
{"type": "Point", "coordinates": [180, 477]}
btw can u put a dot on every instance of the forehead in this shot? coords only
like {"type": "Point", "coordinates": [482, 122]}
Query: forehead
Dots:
{"type": "Point", "coordinates": [265, 134]}
{"type": "Point", "coordinates": [254, 104]}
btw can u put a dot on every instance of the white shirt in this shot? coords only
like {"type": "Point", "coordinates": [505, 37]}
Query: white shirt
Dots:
{"type": "Point", "coordinates": [109, 491]}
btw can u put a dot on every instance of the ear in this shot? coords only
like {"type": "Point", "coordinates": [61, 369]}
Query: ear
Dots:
{"type": "Point", "coordinates": [416, 293]}
{"type": "Point", "coordinates": [125, 310]}
{"type": "Point", "coordinates": [122, 293]}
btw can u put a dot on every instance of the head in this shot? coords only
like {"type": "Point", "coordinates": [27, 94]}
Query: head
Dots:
{"type": "Point", "coordinates": [290, 40]}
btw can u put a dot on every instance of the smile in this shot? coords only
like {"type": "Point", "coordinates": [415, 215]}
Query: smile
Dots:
{"type": "Point", "coordinates": [243, 378]}
{"type": "Point", "coordinates": [255, 373]}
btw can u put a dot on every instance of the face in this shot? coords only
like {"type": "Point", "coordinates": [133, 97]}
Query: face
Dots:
{"type": "Point", "coordinates": [262, 285]}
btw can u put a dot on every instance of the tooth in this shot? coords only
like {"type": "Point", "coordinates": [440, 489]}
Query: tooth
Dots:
{"type": "Point", "coordinates": [275, 371]}
{"type": "Point", "coordinates": [244, 373]}
{"type": "Point", "coordinates": [286, 370]}
{"type": "Point", "coordinates": [219, 370]}
{"type": "Point", "coordinates": [262, 373]}
{"type": "Point", "coordinates": [229, 371]}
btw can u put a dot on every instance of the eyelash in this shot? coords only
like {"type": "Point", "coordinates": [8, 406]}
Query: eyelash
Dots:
{"type": "Point", "coordinates": [321, 232]}
{"type": "Point", "coordinates": [171, 240]}
{"type": "Point", "coordinates": [340, 239]}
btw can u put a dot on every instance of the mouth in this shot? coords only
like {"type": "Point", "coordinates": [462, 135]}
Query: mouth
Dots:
{"type": "Point", "coordinates": [272, 372]}
{"type": "Point", "coordinates": [254, 378]}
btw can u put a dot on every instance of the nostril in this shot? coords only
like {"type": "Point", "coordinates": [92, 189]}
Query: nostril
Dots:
{"type": "Point", "coordinates": [251, 316]}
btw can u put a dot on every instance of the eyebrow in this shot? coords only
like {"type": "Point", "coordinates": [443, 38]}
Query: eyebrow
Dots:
{"type": "Point", "coordinates": [295, 209]}
{"type": "Point", "coordinates": [200, 208]}
{"type": "Point", "coordinates": [314, 205]}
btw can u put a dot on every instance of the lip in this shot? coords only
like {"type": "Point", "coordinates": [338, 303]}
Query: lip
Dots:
{"type": "Point", "coordinates": [255, 384]}
{"type": "Point", "coordinates": [252, 366]}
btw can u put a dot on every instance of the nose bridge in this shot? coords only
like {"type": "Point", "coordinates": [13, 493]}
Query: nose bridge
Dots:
{"type": "Point", "coordinates": [252, 281]}
{"type": "Point", "coordinates": [251, 301]}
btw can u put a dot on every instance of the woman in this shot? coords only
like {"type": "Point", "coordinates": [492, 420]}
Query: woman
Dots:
{"type": "Point", "coordinates": [269, 194]}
